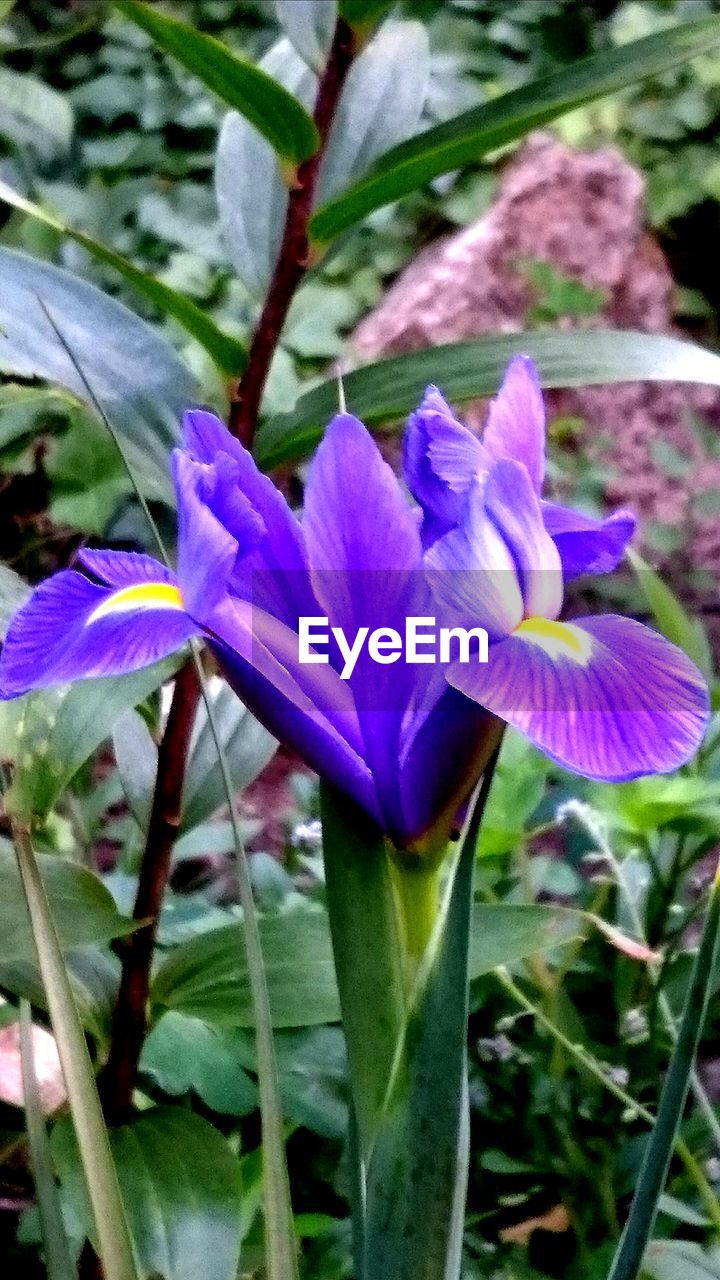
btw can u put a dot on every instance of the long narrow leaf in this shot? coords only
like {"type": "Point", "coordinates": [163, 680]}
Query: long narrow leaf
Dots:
{"type": "Point", "coordinates": [653, 1173]}
{"type": "Point", "coordinates": [115, 1245]}
{"type": "Point", "coordinates": [469, 136]}
{"type": "Point", "coordinates": [366, 951]}
{"type": "Point", "coordinates": [389, 389]}
{"type": "Point", "coordinates": [58, 1260]}
{"type": "Point", "coordinates": [228, 353]}
{"type": "Point", "coordinates": [275, 112]}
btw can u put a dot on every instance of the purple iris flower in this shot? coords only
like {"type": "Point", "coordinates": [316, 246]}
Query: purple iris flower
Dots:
{"type": "Point", "coordinates": [603, 696]}
{"type": "Point", "coordinates": [443, 458]}
{"type": "Point", "coordinates": [406, 740]}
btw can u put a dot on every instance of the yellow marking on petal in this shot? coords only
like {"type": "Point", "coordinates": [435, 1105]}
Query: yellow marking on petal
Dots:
{"type": "Point", "coordinates": [145, 595]}
{"type": "Point", "coordinates": [556, 639]}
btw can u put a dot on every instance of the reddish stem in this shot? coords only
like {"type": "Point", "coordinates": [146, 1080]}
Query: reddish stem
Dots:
{"type": "Point", "coordinates": [293, 259]}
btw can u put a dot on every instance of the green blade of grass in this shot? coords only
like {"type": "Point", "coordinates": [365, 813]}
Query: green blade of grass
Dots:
{"type": "Point", "coordinates": [279, 1232]}
{"type": "Point", "coordinates": [653, 1173]}
{"type": "Point", "coordinates": [58, 1260]}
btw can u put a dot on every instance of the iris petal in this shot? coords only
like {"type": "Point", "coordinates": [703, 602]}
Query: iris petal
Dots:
{"type": "Point", "coordinates": [604, 696]}
{"type": "Point", "coordinates": [586, 545]}
{"type": "Point", "coordinates": [515, 426]}
{"type": "Point", "coordinates": [515, 509]}
{"type": "Point", "coordinates": [441, 459]}
{"type": "Point", "coordinates": [72, 628]}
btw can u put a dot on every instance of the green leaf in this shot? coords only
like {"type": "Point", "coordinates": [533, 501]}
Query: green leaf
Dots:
{"type": "Point", "coordinates": [473, 134]}
{"type": "Point", "coordinates": [273, 111]}
{"type": "Point", "coordinates": [417, 1174]}
{"type": "Point", "coordinates": [672, 619]}
{"type": "Point", "coordinates": [207, 976]}
{"type": "Point", "coordinates": [140, 382]}
{"type": "Point", "coordinates": [628, 1260]}
{"type": "Point", "coordinates": [181, 1186]}
{"type": "Point", "coordinates": [391, 388]}
{"type": "Point", "coordinates": [21, 407]}
{"type": "Point", "coordinates": [247, 745]}
{"type": "Point", "coordinates": [367, 956]}
{"type": "Point", "coordinates": [381, 104]}
{"type": "Point", "coordinates": [183, 1053]}
{"type": "Point", "coordinates": [309, 26]}
{"type": "Point", "coordinates": [136, 756]}
{"type": "Point", "coordinates": [681, 1260]}
{"type": "Point", "coordinates": [361, 14]}
{"type": "Point", "coordinates": [83, 910]}
{"type": "Point", "coordinates": [55, 731]}
{"type": "Point", "coordinates": [13, 592]}
{"type": "Point", "coordinates": [229, 353]}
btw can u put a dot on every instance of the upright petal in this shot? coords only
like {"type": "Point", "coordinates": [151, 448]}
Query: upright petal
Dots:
{"type": "Point", "coordinates": [586, 545]}
{"type": "Point", "coordinates": [441, 459]}
{"type": "Point", "coordinates": [472, 573]}
{"type": "Point", "coordinates": [366, 565]}
{"type": "Point", "coordinates": [515, 426]}
{"type": "Point", "coordinates": [515, 509]}
{"type": "Point", "coordinates": [605, 697]}
{"type": "Point", "coordinates": [207, 548]}
{"type": "Point", "coordinates": [72, 628]}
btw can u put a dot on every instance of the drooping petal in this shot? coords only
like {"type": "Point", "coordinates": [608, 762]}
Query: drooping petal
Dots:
{"type": "Point", "coordinates": [472, 574]}
{"type": "Point", "coordinates": [586, 545]}
{"type": "Point", "coordinates": [71, 628]}
{"type": "Point", "coordinates": [441, 459]}
{"type": "Point", "coordinates": [274, 574]}
{"type": "Point", "coordinates": [605, 697]}
{"type": "Point", "coordinates": [515, 508]}
{"type": "Point", "coordinates": [307, 706]}
{"type": "Point", "coordinates": [366, 566]}
{"type": "Point", "coordinates": [515, 426]}
{"type": "Point", "coordinates": [124, 568]}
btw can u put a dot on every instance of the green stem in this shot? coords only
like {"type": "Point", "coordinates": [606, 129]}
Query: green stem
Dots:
{"type": "Point", "coordinates": [643, 1211]}
{"type": "Point", "coordinates": [417, 898]}
{"type": "Point", "coordinates": [113, 1233]}
{"type": "Point", "coordinates": [594, 1068]}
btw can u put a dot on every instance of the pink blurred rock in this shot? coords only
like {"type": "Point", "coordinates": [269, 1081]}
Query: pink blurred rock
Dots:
{"type": "Point", "coordinates": [48, 1071]}
{"type": "Point", "coordinates": [582, 211]}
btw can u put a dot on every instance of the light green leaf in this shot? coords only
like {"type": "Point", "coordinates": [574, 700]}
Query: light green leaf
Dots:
{"type": "Point", "coordinates": [391, 388]}
{"type": "Point", "coordinates": [247, 745]}
{"type": "Point", "coordinates": [473, 134]}
{"type": "Point", "coordinates": [136, 757]}
{"type": "Point", "coordinates": [139, 381]}
{"type": "Point", "coordinates": [252, 214]}
{"type": "Point", "coordinates": [381, 104]}
{"type": "Point", "coordinates": [21, 407]}
{"type": "Point", "coordinates": [672, 619]}
{"type": "Point", "coordinates": [34, 114]}
{"type": "Point", "coordinates": [181, 1186]}
{"type": "Point", "coordinates": [206, 977]}
{"type": "Point", "coordinates": [83, 909]}
{"type": "Point", "coordinates": [13, 592]}
{"type": "Point", "coordinates": [228, 353]}
{"type": "Point", "coordinates": [309, 26]}
{"type": "Point", "coordinates": [273, 111]}
{"type": "Point", "coordinates": [57, 730]}
{"type": "Point", "coordinates": [183, 1053]}
{"type": "Point", "coordinates": [681, 1260]}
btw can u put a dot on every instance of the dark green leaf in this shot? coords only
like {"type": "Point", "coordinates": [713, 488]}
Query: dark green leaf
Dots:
{"type": "Point", "coordinates": [228, 353]}
{"type": "Point", "coordinates": [248, 748]}
{"type": "Point", "coordinates": [136, 756]}
{"type": "Point", "coordinates": [274, 111]}
{"type": "Point", "coordinates": [473, 134]}
{"type": "Point", "coordinates": [181, 1186]}
{"type": "Point", "coordinates": [391, 388]}
{"type": "Point", "coordinates": [140, 382]}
